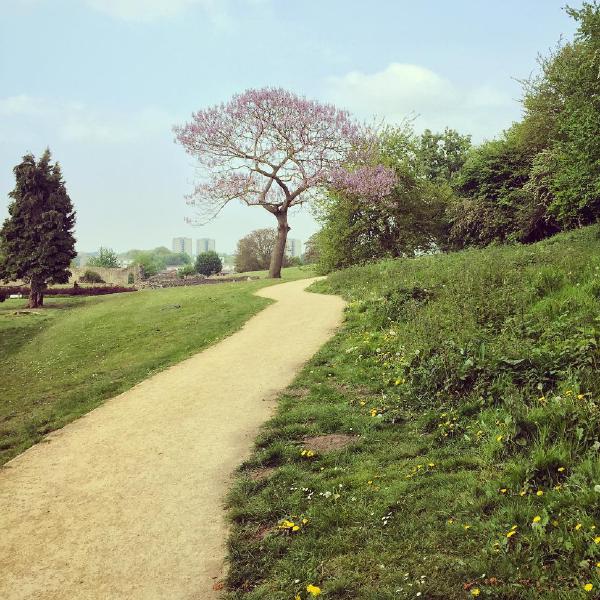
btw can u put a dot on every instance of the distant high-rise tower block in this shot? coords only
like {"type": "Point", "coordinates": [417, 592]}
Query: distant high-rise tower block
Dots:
{"type": "Point", "coordinates": [293, 248]}
{"type": "Point", "coordinates": [205, 245]}
{"type": "Point", "coordinates": [182, 244]}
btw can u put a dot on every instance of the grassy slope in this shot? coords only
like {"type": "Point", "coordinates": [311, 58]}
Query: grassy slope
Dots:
{"type": "Point", "coordinates": [472, 379]}
{"type": "Point", "coordinates": [62, 361]}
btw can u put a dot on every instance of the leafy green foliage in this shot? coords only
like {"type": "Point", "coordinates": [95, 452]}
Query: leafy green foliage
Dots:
{"type": "Point", "coordinates": [106, 258]}
{"type": "Point", "coordinates": [90, 276]}
{"type": "Point", "coordinates": [36, 240]}
{"type": "Point", "coordinates": [472, 382]}
{"type": "Point", "coordinates": [208, 263]}
{"type": "Point", "coordinates": [543, 175]}
{"type": "Point", "coordinates": [411, 219]}
{"type": "Point", "coordinates": [442, 155]}
{"type": "Point", "coordinates": [187, 270]}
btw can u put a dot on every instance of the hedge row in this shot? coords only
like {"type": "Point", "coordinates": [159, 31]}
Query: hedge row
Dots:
{"type": "Point", "coordinates": [69, 291]}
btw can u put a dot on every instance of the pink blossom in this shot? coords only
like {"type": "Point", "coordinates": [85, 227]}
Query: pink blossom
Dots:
{"type": "Point", "coordinates": [273, 148]}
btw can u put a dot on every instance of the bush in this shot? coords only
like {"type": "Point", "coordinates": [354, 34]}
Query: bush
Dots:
{"type": "Point", "coordinates": [91, 277]}
{"type": "Point", "coordinates": [208, 263]}
{"type": "Point", "coordinates": [186, 271]}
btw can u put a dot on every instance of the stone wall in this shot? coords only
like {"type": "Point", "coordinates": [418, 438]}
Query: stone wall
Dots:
{"type": "Point", "coordinates": [114, 276]}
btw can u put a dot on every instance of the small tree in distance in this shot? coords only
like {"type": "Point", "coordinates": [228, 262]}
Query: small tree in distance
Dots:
{"type": "Point", "coordinates": [106, 258]}
{"type": "Point", "coordinates": [255, 249]}
{"type": "Point", "coordinates": [36, 240]}
{"type": "Point", "coordinates": [275, 149]}
{"type": "Point", "coordinates": [208, 263]}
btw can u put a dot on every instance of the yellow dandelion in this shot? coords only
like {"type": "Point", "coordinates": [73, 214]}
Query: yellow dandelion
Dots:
{"type": "Point", "coordinates": [499, 438]}
{"type": "Point", "coordinates": [537, 519]}
{"type": "Point", "coordinates": [580, 396]}
{"type": "Point", "coordinates": [560, 469]}
{"type": "Point", "coordinates": [313, 590]}
{"type": "Point", "coordinates": [514, 527]}
{"type": "Point", "coordinates": [588, 587]}
{"type": "Point", "coordinates": [503, 491]}
{"type": "Point", "coordinates": [431, 464]}
{"type": "Point", "coordinates": [578, 527]}
{"type": "Point", "coordinates": [539, 493]}
{"type": "Point", "coordinates": [475, 592]}
{"type": "Point", "coordinates": [467, 527]}
{"type": "Point", "coordinates": [297, 597]}
{"type": "Point", "coordinates": [511, 533]}
{"type": "Point", "coordinates": [597, 540]}
{"type": "Point", "coordinates": [522, 493]}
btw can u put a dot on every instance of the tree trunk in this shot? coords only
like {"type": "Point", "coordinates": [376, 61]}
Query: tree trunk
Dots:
{"type": "Point", "coordinates": [279, 250]}
{"type": "Point", "coordinates": [36, 294]}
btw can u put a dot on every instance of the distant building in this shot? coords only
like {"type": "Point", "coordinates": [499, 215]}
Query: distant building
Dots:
{"type": "Point", "coordinates": [182, 244]}
{"type": "Point", "coordinates": [205, 245]}
{"type": "Point", "coordinates": [293, 248]}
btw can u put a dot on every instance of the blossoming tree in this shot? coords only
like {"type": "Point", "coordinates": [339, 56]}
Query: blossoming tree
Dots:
{"type": "Point", "coordinates": [275, 149]}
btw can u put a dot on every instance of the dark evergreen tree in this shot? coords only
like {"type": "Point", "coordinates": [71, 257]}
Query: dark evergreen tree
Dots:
{"type": "Point", "coordinates": [36, 240]}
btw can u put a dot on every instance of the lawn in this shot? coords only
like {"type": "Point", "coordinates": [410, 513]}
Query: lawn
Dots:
{"type": "Point", "coordinates": [61, 361]}
{"type": "Point", "coordinates": [471, 382]}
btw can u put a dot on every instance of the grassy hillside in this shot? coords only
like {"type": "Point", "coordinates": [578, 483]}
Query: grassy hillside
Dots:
{"type": "Point", "coordinates": [61, 361]}
{"type": "Point", "coordinates": [472, 383]}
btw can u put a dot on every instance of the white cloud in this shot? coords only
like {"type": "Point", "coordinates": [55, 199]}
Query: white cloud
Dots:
{"type": "Point", "coordinates": [23, 115]}
{"type": "Point", "coordinates": [403, 90]}
{"type": "Point", "coordinates": [22, 105]}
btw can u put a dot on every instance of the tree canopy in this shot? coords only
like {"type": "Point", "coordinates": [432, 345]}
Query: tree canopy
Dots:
{"type": "Point", "coordinates": [272, 148]}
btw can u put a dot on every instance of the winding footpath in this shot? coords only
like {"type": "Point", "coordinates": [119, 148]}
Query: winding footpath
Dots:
{"type": "Point", "coordinates": [127, 501]}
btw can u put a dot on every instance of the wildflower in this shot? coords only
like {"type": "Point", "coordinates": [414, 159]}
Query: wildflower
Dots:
{"type": "Point", "coordinates": [475, 592]}
{"type": "Point", "coordinates": [431, 465]}
{"type": "Point", "coordinates": [539, 493]}
{"type": "Point", "coordinates": [503, 491]}
{"type": "Point", "coordinates": [560, 469]}
{"type": "Point", "coordinates": [511, 533]}
{"type": "Point", "coordinates": [588, 587]}
{"type": "Point", "coordinates": [580, 396]}
{"type": "Point", "coordinates": [373, 412]}
{"type": "Point", "coordinates": [313, 590]}
{"type": "Point", "coordinates": [450, 521]}
{"type": "Point", "coordinates": [598, 565]}
{"type": "Point", "coordinates": [467, 527]}
{"type": "Point", "coordinates": [499, 438]}
{"type": "Point", "coordinates": [578, 527]}
{"type": "Point", "coordinates": [362, 402]}
{"type": "Point", "coordinates": [597, 540]}
{"type": "Point", "coordinates": [522, 493]}
{"type": "Point", "coordinates": [542, 399]}
{"type": "Point", "coordinates": [297, 597]}
{"type": "Point", "coordinates": [537, 519]}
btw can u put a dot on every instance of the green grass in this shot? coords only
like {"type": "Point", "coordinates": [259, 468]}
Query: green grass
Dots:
{"type": "Point", "coordinates": [473, 382]}
{"type": "Point", "coordinates": [61, 361]}
{"type": "Point", "coordinates": [289, 273]}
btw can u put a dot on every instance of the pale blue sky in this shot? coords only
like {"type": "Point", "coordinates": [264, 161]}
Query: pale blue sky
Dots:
{"type": "Point", "coordinates": [102, 81]}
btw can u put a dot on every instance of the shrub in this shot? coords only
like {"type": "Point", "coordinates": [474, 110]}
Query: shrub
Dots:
{"type": "Point", "coordinates": [91, 277]}
{"type": "Point", "coordinates": [208, 263]}
{"type": "Point", "coordinates": [186, 271]}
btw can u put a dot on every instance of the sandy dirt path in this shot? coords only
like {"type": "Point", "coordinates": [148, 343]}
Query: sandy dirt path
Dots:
{"type": "Point", "coordinates": [127, 501]}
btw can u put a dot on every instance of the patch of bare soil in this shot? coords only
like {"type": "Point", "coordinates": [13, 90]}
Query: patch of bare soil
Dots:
{"type": "Point", "coordinates": [261, 473]}
{"type": "Point", "coordinates": [329, 442]}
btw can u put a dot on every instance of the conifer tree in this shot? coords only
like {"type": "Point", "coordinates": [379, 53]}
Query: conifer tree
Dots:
{"type": "Point", "coordinates": [36, 240]}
